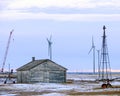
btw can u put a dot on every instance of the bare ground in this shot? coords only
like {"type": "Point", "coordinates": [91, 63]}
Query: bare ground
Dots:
{"type": "Point", "coordinates": [69, 93]}
{"type": "Point", "coordinates": [66, 92]}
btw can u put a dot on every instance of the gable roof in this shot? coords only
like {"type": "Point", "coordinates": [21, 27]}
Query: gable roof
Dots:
{"type": "Point", "coordinates": [34, 63]}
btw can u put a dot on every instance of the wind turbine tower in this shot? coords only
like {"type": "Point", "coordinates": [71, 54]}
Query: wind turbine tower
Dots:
{"type": "Point", "coordinates": [98, 51]}
{"type": "Point", "coordinates": [50, 47]}
{"type": "Point", "coordinates": [93, 48]}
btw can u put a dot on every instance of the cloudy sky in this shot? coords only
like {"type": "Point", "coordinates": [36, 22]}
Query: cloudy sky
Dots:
{"type": "Point", "coordinates": [72, 23]}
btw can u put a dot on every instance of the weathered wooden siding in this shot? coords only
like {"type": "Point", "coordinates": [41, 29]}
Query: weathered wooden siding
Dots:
{"type": "Point", "coordinates": [57, 77]}
{"type": "Point", "coordinates": [23, 76]}
{"type": "Point", "coordinates": [47, 72]}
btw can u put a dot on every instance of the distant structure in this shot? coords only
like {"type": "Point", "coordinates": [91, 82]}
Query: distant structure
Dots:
{"type": "Point", "coordinates": [105, 69]}
{"type": "Point", "coordinates": [98, 51]}
{"type": "Point", "coordinates": [44, 70]}
{"type": "Point", "coordinates": [93, 48]}
{"type": "Point", "coordinates": [6, 52]}
{"type": "Point", "coordinates": [50, 47]}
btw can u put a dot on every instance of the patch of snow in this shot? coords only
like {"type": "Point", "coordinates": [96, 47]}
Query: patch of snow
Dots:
{"type": "Point", "coordinates": [53, 94]}
{"type": "Point", "coordinates": [115, 83]}
{"type": "Point", "coordinates": [38, 87]}
{"type": "Point", "coordinates": [9, 95]}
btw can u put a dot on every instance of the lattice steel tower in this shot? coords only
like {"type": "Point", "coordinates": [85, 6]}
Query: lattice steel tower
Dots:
{"type": "Point", "coordinates": [105, 69]}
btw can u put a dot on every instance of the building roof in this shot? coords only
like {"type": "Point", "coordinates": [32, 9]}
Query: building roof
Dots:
{"type": "Point", "coordinates": [35, 63]}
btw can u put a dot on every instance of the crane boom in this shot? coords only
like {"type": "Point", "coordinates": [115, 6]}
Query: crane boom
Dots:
{"type": "Point", "coordinates": [6, 52]}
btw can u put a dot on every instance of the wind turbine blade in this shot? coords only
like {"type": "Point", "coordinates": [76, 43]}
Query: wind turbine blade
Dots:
{"type": "Point", "coordinates": [90, 50]}
{"type": "Point", "coordinates": [50, 37]}
{"type": "Point", "coordinates": [50, 40]}
{"type": "Point", "coordinates": [47, 39]}
{"type": "Point", "coordinates": [92, 42]}
{"type": "Point", "coordinates": [48, 46]}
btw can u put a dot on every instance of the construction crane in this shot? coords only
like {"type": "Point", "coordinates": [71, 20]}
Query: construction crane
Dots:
{"type": "Point", "coordinates": [6, 52]}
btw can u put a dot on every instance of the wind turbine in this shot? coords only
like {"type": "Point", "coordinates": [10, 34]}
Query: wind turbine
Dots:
{"type": "Point", "coordinates": [93, 48]}
{"type": "Point", "coordinates": [50, 47]}
{"type": "Point", "coordinates": [98, 51]}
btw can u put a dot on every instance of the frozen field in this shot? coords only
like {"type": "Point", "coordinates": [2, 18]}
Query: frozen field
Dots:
{"type": "Point", "coordinates": [83, 84]}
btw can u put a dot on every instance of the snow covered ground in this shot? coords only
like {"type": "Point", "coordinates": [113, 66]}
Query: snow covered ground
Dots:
{"type": "Point", "coordinates": [82, 83]}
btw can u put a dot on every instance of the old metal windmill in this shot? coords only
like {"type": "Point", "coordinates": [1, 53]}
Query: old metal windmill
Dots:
{"type": "Point", "coordinates": [105, 69]}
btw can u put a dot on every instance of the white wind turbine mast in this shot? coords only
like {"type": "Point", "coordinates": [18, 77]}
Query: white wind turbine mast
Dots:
{"type": "Point", "coordinates": [93, 48]}
{"type": "Point", "coordinates": [50, 47]}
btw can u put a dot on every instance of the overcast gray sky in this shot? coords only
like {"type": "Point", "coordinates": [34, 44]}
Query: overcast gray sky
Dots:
{"type": "Point", "coordinates": [72, 24]}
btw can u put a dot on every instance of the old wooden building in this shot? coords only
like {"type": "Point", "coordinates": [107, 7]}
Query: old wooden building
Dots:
{"type": "Point", "coordinates": [43, 70]}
